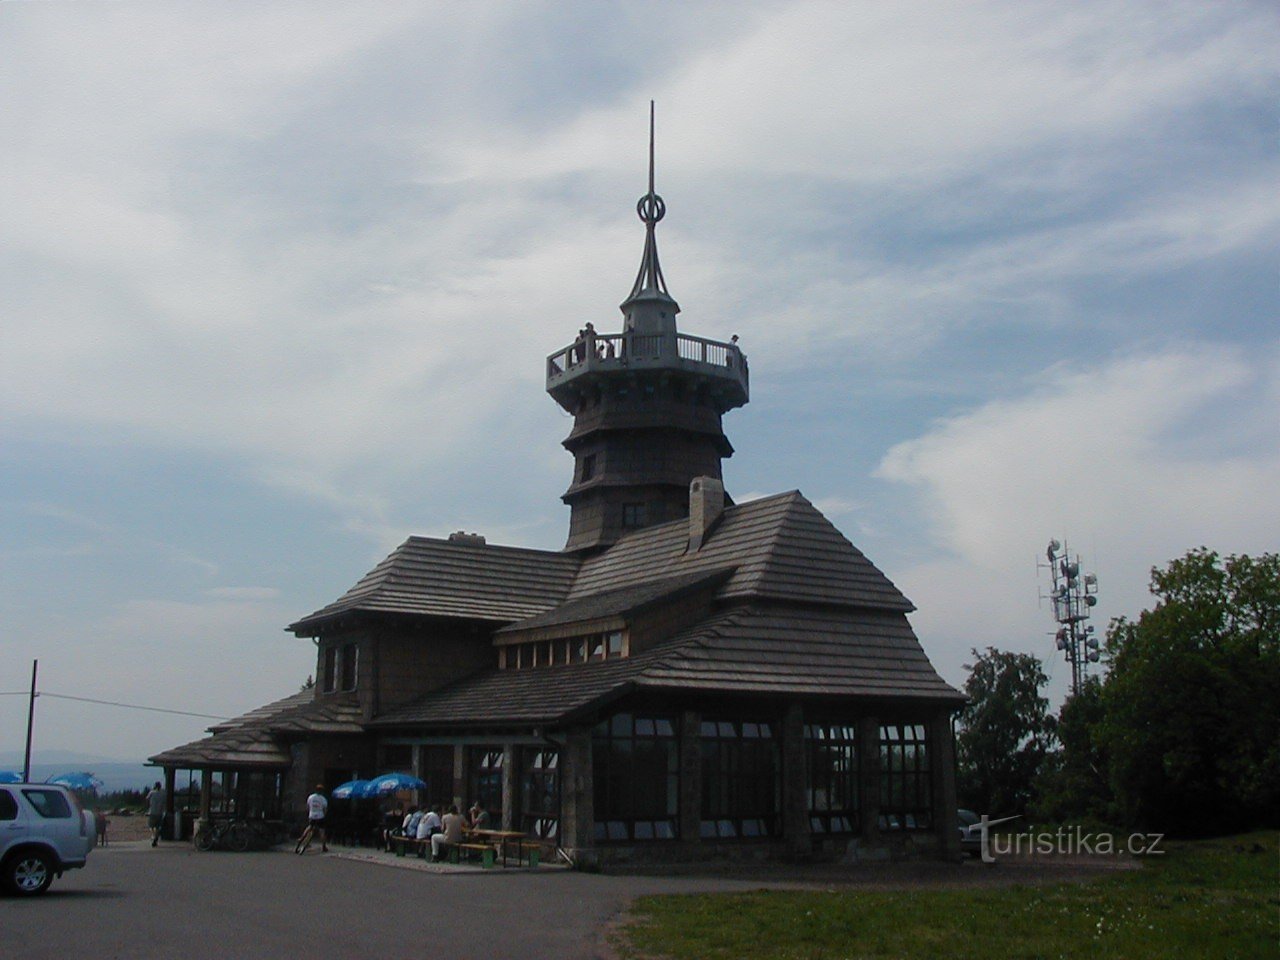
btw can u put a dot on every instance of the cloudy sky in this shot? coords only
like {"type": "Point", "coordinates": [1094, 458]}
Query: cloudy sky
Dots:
{"type": "Point", "coordinates": [277, 281]}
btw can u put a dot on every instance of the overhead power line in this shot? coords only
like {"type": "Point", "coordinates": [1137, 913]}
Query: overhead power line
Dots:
{"type": "Point", "coordinates": [126, 706]}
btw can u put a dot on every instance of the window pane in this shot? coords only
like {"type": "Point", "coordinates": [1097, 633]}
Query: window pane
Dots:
{"type": "Point", "coordinates": [50, 804]}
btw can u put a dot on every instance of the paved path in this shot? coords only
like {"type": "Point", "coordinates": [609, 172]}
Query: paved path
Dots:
{"type": "Point", "coordinates": [135, 902]}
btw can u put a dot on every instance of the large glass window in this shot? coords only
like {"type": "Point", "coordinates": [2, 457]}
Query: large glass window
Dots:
{"type": "Point", "coordinates": [739, 779]}
{"type": "Point", "coordinates": [831, 761]}
{"type": "Point", "coordinates": [437, 771]}
{"type": "Point", "coordinates": [906, 788]}
{"type": "Point", "coordinates": [636, 771]}
{"type": "Point", "coordinates": [486, 780]}
{"type": "Point", "coordinates": [540, 792]}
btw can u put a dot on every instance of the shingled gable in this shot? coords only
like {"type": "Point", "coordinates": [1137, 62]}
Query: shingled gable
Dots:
{"type": "Point", "coordinates": [584, 613]}
{"type": "Point", "coordinates": [755, 649]}
{"type": "Point", "coordinates": [445, 578]}
{"type": "Point", "coordinates": [851, 639]}
{"type": "Point", "coordinates": [781, 547]}
{"type": "Point", "coordinates": [255, 739]}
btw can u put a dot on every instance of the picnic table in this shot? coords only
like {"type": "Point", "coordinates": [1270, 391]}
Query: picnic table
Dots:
{"type": "Point", "coordinates": [502, 839]}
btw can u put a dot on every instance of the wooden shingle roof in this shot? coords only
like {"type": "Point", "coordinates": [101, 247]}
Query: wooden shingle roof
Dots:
{"type": "Point", "coordinates": [768, 648]}
{"type": "Point", "coordinates": [761, 648]}
{"type": "Point", "coordinates": [261, 714]}
{"type": "Point", "coordinates": [445, 578]}
{"type": "Point", "coordinates": [237, 747]}
{"type": "Point", "coordinates": [257, 739]}
{"type": "Point", "coordinates": [782, 547]}
{"type": "Point", "coordinates": [623, 600]}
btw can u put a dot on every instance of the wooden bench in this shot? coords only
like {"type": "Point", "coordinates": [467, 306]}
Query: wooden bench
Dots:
{"type": "Point", "coordinates": [488, 852]}
{"type": "Point", "coordinates": [529, 851]}
{"type": "Point", "coordinates": [401, 844]}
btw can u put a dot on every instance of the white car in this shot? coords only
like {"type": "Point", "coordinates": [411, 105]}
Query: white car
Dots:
{"type": "Point", "coordinates": [43, 832]}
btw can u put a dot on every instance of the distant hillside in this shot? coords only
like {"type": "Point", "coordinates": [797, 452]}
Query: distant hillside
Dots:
{"type": "Point", "coordinates": [114, 774]}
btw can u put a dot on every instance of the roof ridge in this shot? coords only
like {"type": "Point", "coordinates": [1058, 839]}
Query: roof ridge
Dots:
{"type": "Point", "coordinates": [463, 545]}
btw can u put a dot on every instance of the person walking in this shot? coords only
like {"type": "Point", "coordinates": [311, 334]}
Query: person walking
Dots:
{"type": "Point", "coordinates": [317, 809]}
{"type": "Point", "coordinates": [155, 812]}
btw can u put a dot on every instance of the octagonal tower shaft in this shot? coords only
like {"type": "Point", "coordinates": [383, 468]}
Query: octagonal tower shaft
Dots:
{"type": "Point", "coordinates": [647, 405]}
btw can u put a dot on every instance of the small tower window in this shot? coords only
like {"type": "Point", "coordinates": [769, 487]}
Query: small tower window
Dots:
{"type": "Point", "coordinates": [634, 515]}
{"type": "Point", "coordinates": [588, 467]}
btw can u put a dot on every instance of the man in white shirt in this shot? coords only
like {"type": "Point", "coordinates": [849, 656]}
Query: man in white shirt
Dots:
{"type": "Point", "coordinates": [317, 808]}
{"type": "Point", "coordinates": [430, 824]}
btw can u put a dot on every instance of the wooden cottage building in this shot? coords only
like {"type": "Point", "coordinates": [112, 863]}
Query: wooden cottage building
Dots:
{"type": "Point", "coordinates": [687, 677]}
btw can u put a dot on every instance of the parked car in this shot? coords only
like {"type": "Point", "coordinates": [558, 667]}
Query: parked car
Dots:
{"type": "Point", "coordinates": [43, 833]}
{"type": "Point", "coordinates": [970, 832]}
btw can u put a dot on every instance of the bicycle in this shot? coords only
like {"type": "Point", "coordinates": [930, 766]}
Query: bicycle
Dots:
{"type": "Point", "coordinates": [235, 835]}
{"type": "Point", "coordinates": [308, 835]}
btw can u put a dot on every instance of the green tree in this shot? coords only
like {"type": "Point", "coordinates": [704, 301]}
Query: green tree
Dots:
{"type": "Point", "coordinates": [1005, 731]}
{"type": "Point", "coordinates": [1189, 705]}
{"type": "Point", "coordinates": [1074, 779]}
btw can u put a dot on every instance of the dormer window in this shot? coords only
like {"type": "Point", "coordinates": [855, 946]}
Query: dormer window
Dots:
{"type": "Point", "coordinates": [350, 652]}
{"type": "Point", "coordinates": [338, 668]}
{"type": "Point", "coordinates": [329, 670]}
{"type": "Point", "coordinates": [610, 645]}
{"type": "Point", "coordinates": [634, 516]}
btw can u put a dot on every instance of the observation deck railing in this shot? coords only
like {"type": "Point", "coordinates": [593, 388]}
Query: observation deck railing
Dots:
{"type": "Point", "coordinates": [600, 352]}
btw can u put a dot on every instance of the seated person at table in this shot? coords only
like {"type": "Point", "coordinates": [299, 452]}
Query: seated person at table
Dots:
{"type": "Point", "coordinates": [430, 824]}
{"type": "Point", "coordinates": [411, 820]}
{"type": "Point", "coordinates": [478, 817]}
{"type": "Point", "coordinates": [450, 835]}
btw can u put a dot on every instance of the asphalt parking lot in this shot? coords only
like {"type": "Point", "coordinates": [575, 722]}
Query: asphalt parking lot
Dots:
{"type": "Point", "coordinates": [132, 901]}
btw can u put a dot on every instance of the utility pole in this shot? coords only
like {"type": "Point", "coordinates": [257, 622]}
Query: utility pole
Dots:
{"type": "Point", "coordinates": [31, 716]}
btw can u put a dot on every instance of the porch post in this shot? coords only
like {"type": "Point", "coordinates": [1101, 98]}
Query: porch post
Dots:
{"type": "Point", "coordinates": [169, 779]}
{"type": "Point", "coordinates": [869, 780]}
{"type": "Point", "coordinates": [206, 793]}
{"type": "Point", "coordinates": [795, 797]}
{"type": "Point", "coordinates": [690, 825]}
{"type": "Point", "coordinates": [459, 776]}
{"type": "Point", "coordinates": [942, 776]}
{"type": "Point", "coordinates": [510, 802]}
{"type": "Point", "coordinates": [577, 796]}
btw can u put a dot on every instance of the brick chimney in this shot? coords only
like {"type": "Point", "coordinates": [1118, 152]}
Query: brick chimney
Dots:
{"type": "Point", "coordinates": [706, 503]}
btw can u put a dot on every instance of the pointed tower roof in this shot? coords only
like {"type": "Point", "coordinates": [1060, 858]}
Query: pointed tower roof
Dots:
{"type": "Point", "coordinates": [650, 287]}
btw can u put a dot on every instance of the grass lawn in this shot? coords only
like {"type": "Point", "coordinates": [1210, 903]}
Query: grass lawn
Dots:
{"type": "Point", "coordinates": [1211, 898]}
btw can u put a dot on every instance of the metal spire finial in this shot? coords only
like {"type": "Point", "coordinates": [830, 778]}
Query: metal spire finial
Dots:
{"type": "Point", "coordinates": [651, 209]}
{"type": "Point", "coordinates": [651, 147]}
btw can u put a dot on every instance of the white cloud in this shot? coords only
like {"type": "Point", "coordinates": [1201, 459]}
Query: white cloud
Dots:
{"type": "Point", "coordinates": [282, 240]}
{"type": "Point", "coordinates": [1134, 462]}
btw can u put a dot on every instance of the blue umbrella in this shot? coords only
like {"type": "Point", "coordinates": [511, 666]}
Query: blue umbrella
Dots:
{"type": "Point", "coordinates": [77, 781]}
{"type": "Point", "coordinates": [391, 783]}
{"type": "Point", "coordinates": [352, 788]}
{"type": "Point", "coordinates": [8, 776]}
